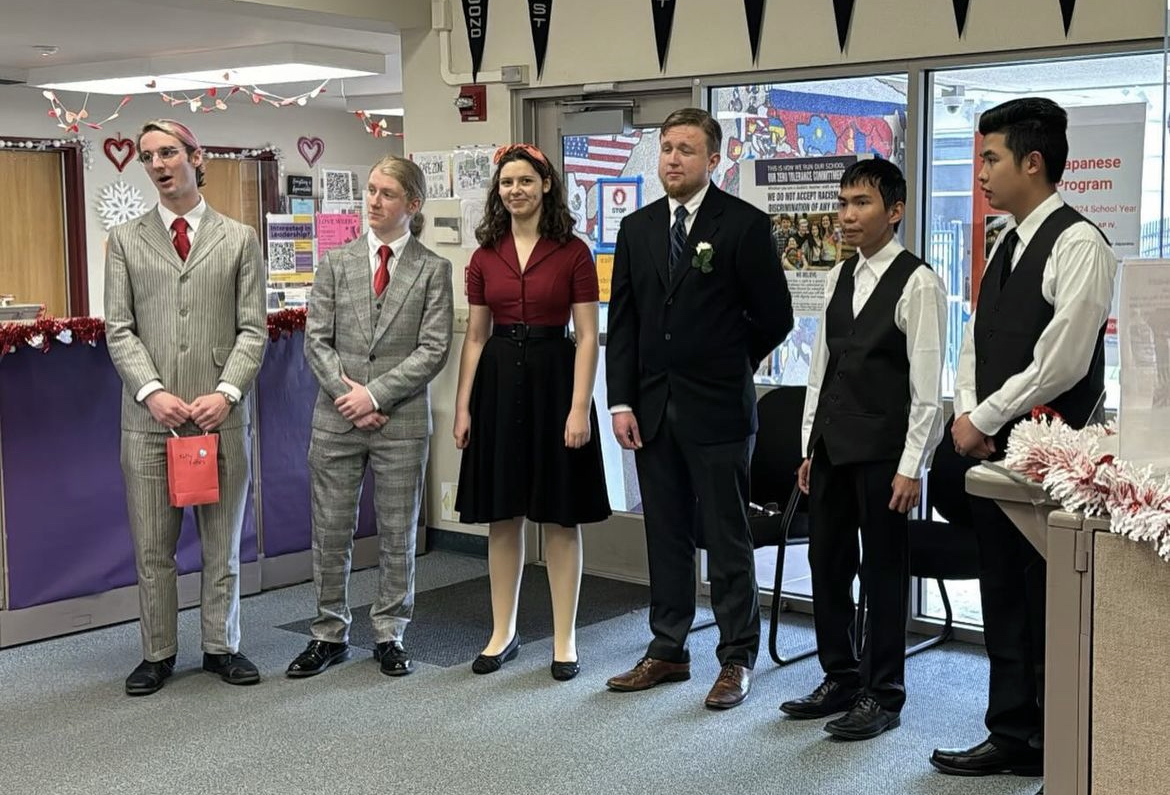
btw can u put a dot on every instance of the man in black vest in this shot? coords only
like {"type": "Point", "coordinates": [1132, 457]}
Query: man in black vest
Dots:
{"type": "Point", "coordinates": [1037, 339]}
{"type": "Point", "coordinates": [698, 300]}
{"type": "Point", "coordinates": [872, 418]}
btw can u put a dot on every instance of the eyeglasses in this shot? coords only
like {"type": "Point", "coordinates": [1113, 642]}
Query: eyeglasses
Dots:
{"type": "Point", "coordinates": [166, 154]}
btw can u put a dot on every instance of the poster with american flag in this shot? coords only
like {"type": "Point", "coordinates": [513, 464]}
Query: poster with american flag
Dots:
{"type": "Point", "coordinates": [594, 156]}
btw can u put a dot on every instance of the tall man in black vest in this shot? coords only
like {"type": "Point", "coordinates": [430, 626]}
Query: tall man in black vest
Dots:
{"type": "Point", "coordinates": [698, 300]}
{"type": "Point", "coordinates": [1037, 339]}
{"type": "Point", "coordinates": [872, 418]}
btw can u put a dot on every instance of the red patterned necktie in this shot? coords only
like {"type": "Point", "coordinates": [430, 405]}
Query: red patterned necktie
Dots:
{"type": "Point", "coordinates": [382, 274]}
{"type": "Point", "coordinates": [182, 243]}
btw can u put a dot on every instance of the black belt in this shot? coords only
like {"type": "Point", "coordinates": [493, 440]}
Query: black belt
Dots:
{"type": "Point", "coordinates": [523, 331]}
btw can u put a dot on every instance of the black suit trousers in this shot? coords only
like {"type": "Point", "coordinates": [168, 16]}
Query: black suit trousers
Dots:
{"type": "Point", "coordinates": [1012, 582]}
{"type": "Point", "coordinates": [697, 494]}
{"type": "Point", "coordinates": [843, 500]}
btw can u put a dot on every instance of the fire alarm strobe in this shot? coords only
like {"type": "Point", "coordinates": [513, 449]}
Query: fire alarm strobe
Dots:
{"type": "Point", "coordinates": [472, 103]}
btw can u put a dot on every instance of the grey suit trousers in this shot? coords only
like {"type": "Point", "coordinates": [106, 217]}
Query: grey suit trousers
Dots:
{"type": "Point", "coordinates": [155, 526]}
{"type": "Point", "coordinates": [337, 465]}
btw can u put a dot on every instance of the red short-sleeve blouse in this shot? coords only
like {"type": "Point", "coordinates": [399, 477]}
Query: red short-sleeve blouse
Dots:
{"type": "Point", "coordinates": [557, 276]}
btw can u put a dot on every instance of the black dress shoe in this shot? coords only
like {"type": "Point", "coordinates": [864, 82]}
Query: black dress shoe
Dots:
{"type": "Point", "coordinates": [829, 698]}
{"type": "Point", "coordinates": [865, 721]}
{"type": "Point", "coordinates": [564, 671]}
{"type": "Point", "coordinates": [233, 668]}
{"type": "Point", "coordinates": [394, 659]}
{"type": "Point", "coordinates": [490, 663]}
{"type": "Point", "coordinates": [316, 657]}
{"type": "Point", "coordinates": [987, 759]}
{"type": "Point", "coordinates": [148, 677]}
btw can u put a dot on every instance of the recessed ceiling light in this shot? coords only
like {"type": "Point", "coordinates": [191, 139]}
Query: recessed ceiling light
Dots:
{"type": "Point", "coordinates": [141, 84]}
{"type": "Point", "coordinates": [271, 73]}
{"type": "Point", "coordinates": [46, 49]}
{"type": "Point", "coordinates": [386, 112]}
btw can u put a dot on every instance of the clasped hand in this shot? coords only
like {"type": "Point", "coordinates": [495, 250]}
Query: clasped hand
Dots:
{"type": "Point", "coordinates": [357, 406]}
{"type": "Point", "coordinates": [206, 411]}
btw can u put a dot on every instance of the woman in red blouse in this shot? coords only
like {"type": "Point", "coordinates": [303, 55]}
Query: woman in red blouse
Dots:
{"type": "Point", "coordinates": [524, 414]}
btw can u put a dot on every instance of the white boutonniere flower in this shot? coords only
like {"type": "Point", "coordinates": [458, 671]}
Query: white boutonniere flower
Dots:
{"type": "Point", "coordinates": [704, 252]}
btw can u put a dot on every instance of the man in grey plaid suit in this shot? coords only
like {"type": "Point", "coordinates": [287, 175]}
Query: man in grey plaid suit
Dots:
{"type": "Point", "coordinates": [378, 332]}
{"type": "Point", "coordinates": [185, 324]}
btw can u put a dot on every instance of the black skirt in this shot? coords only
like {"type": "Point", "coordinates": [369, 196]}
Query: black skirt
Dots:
{"type": "Point", "coordinates": [516, 462]}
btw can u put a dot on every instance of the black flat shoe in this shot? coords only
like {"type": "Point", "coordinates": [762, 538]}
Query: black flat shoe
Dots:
{"type": "Point", "coordinates": [490, 663]}
{"type": "Point", "coordinates": [393, 658]}
{"type": "Point", "coordinates": [865, 721]}
{"type": "Point", "coordinates": [233, 668]}
{"type": "Point", "coordinates": [317, 656]}
{"type": "Point", "coordinates": [988, 759]}
{"type": "Point", "coordinates": [148, 677]}
{"type": "Point", "coordinates": [564, 671]}
{"type": "Point", "coordinates": [829, 698]}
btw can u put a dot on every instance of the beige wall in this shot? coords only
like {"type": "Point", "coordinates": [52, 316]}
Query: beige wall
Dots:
{"type": "Point", "coordinates": [244, 125]}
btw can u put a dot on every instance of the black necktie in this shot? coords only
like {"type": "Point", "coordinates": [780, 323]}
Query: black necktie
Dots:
{"type": "Point", "coordinates": [678, 238]}
{"type": "Point", "coordinates": [1011, 239]}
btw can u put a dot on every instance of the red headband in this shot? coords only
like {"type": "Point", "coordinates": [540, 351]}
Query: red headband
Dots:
{"type": "Point", "coordinates": [528, 149]}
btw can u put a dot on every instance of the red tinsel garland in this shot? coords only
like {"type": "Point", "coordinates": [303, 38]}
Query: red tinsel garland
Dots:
{"type": "Point", "coordinates": [43, 333]}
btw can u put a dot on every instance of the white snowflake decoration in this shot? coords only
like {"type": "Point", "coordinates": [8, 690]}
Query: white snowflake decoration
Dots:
{"type": "Point", "coordinates": [118, 203]}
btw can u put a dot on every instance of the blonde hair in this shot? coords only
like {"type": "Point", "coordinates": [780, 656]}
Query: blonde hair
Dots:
{"type": "Point", "coordinates": [175, 129]}
{"type": "Point", "coordinates": [413, 182]}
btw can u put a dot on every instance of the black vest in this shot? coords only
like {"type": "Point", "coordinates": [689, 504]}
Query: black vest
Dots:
{"type": "Point", "coordinates": [1011, 318]}
{"type": "Point", "coordinates": [864, 407]}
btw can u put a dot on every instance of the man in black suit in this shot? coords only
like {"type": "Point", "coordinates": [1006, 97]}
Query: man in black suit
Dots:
{"type": "Point", "coordinates": [698, 300]}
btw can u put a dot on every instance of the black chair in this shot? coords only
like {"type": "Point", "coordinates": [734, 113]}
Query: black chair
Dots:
{"type": "Point", "coordinates": [776, 458]}
{"type": "Point", "coordinates": [941, 550]}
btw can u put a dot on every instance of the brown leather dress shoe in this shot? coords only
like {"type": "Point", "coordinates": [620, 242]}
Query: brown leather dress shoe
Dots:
{"type": "Point", "coordinates": [731, 688]}
{"type": "Point", "coordinates": [649, 672]}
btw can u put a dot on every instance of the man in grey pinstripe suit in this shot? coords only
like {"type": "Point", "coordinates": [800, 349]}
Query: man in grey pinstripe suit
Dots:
{"type": "Point", "coordinates": [379, 330]}
{"type": "Point", "coordinates": [185, 324]}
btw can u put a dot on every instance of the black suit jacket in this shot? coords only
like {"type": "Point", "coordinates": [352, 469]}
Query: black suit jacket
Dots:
{"type": "Point", "coordinates": [697, 338]}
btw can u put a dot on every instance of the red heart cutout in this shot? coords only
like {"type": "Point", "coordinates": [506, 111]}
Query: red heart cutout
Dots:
{"type": "Point", "coordinates": [311, 149]}
{"type": "Point", "coordinates": [120, 151]}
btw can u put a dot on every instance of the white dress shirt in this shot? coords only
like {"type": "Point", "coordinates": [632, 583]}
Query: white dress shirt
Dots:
{"type": "Point", "coordinates": [920, 314]}
{"type": "Point", "coordinates": [1078, 283]}
{"type": "Point", "coordinates": [194, 219]}
{"type": "Point", "coordinates": [673, 204]}
{"type": "Point", "coordinates": [396, 248]}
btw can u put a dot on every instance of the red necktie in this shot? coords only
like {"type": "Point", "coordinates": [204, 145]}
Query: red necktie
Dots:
{"type": "Point", "coordinates": [182, 243]}
{"type": "Point", "coordinates": [382, 273]}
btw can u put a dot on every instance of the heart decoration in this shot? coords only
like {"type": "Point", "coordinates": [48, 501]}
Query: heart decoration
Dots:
{"type": "Point", "coordinates": [311, 149]}
{"type": "Point", "coordinates": [119, 150]}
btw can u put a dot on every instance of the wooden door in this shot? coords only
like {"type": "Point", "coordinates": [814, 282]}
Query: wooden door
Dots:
{"type": "Point", "coordinates": [33, 264]}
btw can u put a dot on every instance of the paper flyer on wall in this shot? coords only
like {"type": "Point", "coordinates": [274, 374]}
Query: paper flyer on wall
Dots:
{"type": "Point", "coordinates": [472, 171]}
{"type": "Point", "coordinates": [336, 229]}
{"type": "Point", "coordinates": [291, 257]}
{"type": "Point", "coordinates": [470, 216]}
{"type": "Point", "coordinates": [1144, 344]}
{"type": "Point", "coordinates": [436, 167]}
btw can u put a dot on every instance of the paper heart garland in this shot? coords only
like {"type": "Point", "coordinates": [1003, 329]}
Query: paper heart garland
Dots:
{"type": "Point", "coordinates": [311, 149]}
{"type": "Point", "coordinates": [119, 150]}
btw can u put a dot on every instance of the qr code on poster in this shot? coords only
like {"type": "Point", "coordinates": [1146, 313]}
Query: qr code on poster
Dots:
{"type": "Point", "coordinates": [282, 256]}
{"type": "Point", "coordinates": [338, 185]}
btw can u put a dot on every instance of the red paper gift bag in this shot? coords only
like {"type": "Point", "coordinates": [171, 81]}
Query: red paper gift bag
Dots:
{"type": "Point", "coordinates": [192, 469]}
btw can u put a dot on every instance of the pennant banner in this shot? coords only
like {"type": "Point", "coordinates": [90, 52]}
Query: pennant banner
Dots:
{"type": "Point", "coordinates": [539, 14]}
{"type": "Point", "coordinates": [755, 18]}
{"type": "Point", "coordinates": [1066, 11]}
{"type": "Point", "coordinates": [663, 18]}
{"type": "Point", "coordinates": [844, 11]}
{"type": "Point", "coordinates": [961, 13]}
{"type": "Point", "coordinates": [475, 15]}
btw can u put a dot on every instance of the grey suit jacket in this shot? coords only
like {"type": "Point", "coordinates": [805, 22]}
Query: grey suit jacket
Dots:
{"type": "Point", "coordinates": [395, 351]}
{"type": "Point", "coordinates": [187, 324]}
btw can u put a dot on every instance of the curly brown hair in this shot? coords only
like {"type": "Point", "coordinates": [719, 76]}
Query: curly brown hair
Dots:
{"type": "Point", "coordinates": [556, 222]}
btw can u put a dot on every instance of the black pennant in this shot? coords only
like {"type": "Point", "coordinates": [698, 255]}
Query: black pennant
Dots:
{"type": "Point", "coordinates": [539, 14]}
{"type": "Point", "coordinates": [844, 12]}
{"type": "Point", "coordinates": [755, 19]}
{"type": "Point", "coordinates": [475, 15]}
{"type": "Point", "coordinates": [1066, 11]}
{"type": "Point", "coordinates": [663, 18]}
{"type": "Point", "coordinates": [961, 13]}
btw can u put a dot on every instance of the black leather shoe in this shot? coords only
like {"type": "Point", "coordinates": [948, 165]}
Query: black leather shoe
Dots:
{"type": "Point", "coordinates": [235, 669]}
{"type": "Point", "coordinates": [829, 698]}
{"type": "Point", "coordinates": [394, 659]}
{"type": "Point", "coordinates": [564, 671]}
{"type": "Point", "coordinates": [148, 677]}
{"type": "Point", "coordinates": [490, 663]}
{"type": "Point", "coordinates": [987, 759]}
{"type": "Point", "coordinates": [317, 656]}
{"type": "Point", "coordinates": [865, 721]}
